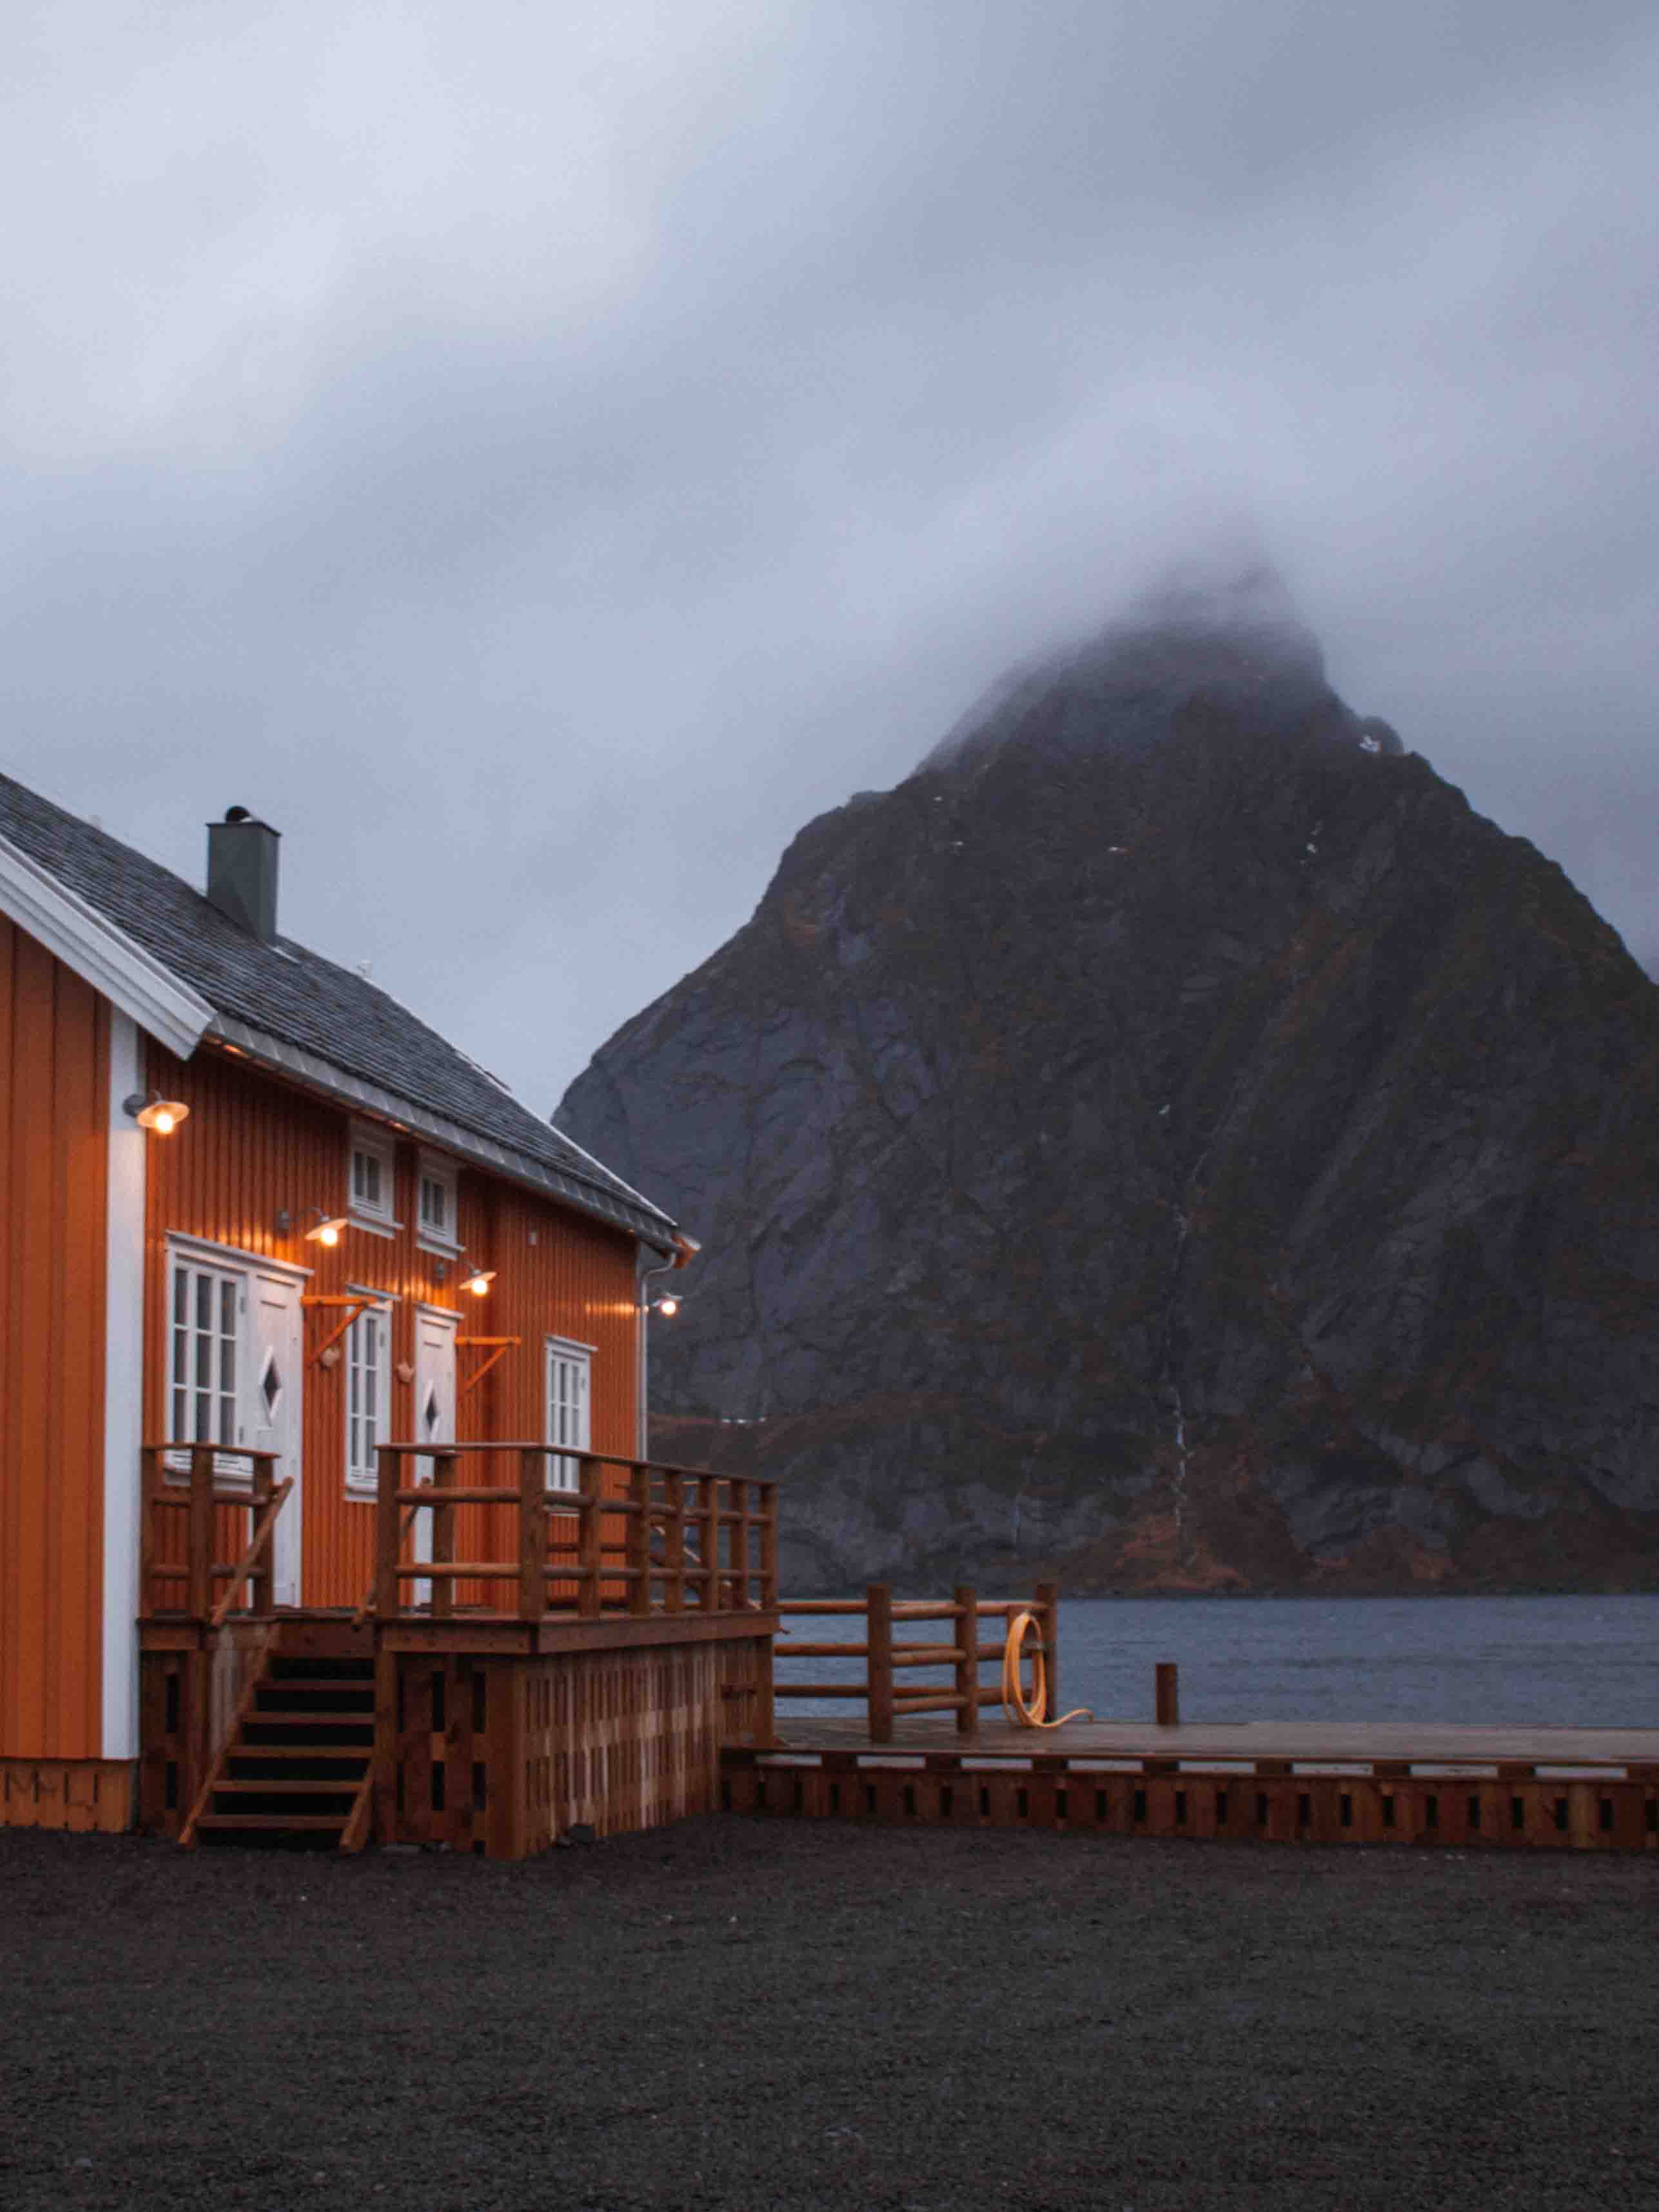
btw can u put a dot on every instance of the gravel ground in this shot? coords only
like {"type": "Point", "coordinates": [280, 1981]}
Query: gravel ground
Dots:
{"type": "Point", "coordinates": [733, 2012]}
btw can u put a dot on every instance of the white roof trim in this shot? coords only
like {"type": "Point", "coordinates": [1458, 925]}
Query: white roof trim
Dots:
{"type": "Point", "coordinates": [102, 955]}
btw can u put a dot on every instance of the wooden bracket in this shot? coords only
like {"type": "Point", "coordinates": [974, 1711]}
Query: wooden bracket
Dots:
{"type": "Point", "coordinates": [357, 1303]}
{"type": "Point", "coordinates": [498, 1348]}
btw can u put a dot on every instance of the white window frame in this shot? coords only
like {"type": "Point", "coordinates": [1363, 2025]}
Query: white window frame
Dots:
{"type": "Point", "coordinates": [226, 1409]}
{"type": "Point", "coordinates": [369, 1333]}
{"type": "Point", "coordinates": [432, 1167]}
{"type": "Point", "coordinates": [568, 1407]}
{"type": "Point", "coordinates": [379, 1146]}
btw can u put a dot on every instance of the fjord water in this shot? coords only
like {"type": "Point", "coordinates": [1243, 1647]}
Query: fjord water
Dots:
{"type": "Point", "coordinates": [1544, 1661]}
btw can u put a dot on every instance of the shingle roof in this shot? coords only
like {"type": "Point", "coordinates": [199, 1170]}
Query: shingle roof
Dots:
{"type": "Point", "coordinates": [328, 1014]}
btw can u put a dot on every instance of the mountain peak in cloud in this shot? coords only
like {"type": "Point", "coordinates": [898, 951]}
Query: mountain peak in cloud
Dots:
{"type": "Point", "coordinates": [1217, 627]}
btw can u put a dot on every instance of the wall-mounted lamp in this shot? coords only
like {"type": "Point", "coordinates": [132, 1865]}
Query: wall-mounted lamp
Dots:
{"type": "Point", "coordinates": [667, 1307]}
{"type": "Point", "coordinates": [153, 1112]}
{"type": "Point", "coordinates": [479, 1280]}
{"type": "Point", "coordinates": [328, 1228]}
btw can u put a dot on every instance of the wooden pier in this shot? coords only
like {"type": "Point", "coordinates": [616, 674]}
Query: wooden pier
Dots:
{"type": "Point", "coordinates": [902, 1760]}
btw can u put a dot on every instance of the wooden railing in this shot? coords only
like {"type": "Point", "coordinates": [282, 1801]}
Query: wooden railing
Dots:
{"type": "Point", "coordinates": [885, 1659]}
{"type": "Point", "coordinates": [672, 1540]}
{"type": "Point", "coordinates": [203, 1498]}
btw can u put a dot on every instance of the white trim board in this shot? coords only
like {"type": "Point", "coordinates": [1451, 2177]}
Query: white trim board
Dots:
{"type": "Point", "coordinates": [123, 1395]}
{"type": "Point", "coordinates": [133, 979]}
{"type": "Point", "coordinates": [236, 1255]}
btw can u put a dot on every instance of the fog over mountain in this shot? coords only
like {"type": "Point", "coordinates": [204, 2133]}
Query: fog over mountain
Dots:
{"type": "Point", "coordinates": [1171, 1140]}
{"type": "Point", "coordinates": [538, 458]}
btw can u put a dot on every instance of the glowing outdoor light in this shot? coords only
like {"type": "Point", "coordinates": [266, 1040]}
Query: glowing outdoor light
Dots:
{"type": "Point", "coordinates": [668, 1307]}
{"type": "Point", "coordinates": [163, 1116]}
{"type": "Point", "coordinates": [328, 1228]}
{"type": "Point", "coordinates": [479, 1280]}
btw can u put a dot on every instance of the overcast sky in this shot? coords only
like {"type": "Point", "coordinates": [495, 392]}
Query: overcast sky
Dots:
{"type": "Point", "coordinates": [538, 455]}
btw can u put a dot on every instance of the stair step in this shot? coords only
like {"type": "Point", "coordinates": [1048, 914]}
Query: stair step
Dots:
{"type": "Point", "coordinates": [355, 1754]}
{"type": "Point", "coordinates": [256, 1788]}
{"type": "Point", "coordinates": [295, 1717]}
{"type": "Point", "coordinates": [273, 1822]}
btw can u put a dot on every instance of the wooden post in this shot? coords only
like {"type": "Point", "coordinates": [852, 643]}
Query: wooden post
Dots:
{"type": "Point", "coordinates": [769, 1546]}
{"type": "Point", "coordinates": [200, 1583]}
{"type": "Point", "coordinates": [148, 1534]}
{"type": "Point", "coordinates": [387, 1597]}
{"type": "Point", "coordinates": [1168, 1693]}
{"type": "Point", "coordinates": [708, 1507]}
{"type": "Point", "coordinates": [588, 1540]}
{"type": "Point", "coordinates": [639, 1537]}
{"type": "Point", "coordinates": [443, 1535]}
{"type": "Point", "coordinates": [879, 1610]}
{"type": "Point", "coordinates": [967, 1641]}
{"type": "Point", "coordinates": [740, 1547]}
{"type": "Point", "coordinates": [1046, 1609]}
{"type": "Point", "coordinates": [386, 1747]}
{"type": "Point", "coordinates": [532, 1546]}
{"type": "Point", "coordinates": [673, 1587]}
{"type": "Point", "coordinates": [258, 1583]}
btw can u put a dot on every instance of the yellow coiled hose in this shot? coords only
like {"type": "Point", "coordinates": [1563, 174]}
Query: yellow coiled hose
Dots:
{"type": "Point", "coordinates": [1026, 1712]}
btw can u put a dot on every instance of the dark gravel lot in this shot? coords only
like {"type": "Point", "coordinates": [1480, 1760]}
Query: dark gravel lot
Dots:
{"type": "Point", "coordinates": [729, 2013]}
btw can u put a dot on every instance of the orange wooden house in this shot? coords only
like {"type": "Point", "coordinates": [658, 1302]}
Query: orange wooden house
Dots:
{"type": "Point", "coordinates": [279, 1263]}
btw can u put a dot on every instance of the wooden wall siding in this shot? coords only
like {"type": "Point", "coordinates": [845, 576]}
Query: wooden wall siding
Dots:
{"type": "Point", "coordinates": [502, 1755]}
{"type": "Point", "coordinates": [54, 1157]}
{"type": "Point", "coordinates": [252, 1145]}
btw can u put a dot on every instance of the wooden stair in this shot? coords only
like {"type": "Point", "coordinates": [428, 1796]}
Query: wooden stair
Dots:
{"type": "Point", "coordinates": [298, 1769]}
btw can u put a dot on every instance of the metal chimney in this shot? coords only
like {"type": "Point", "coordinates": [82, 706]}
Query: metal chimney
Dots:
{"type": "Point", "coordinates": [241, 878]}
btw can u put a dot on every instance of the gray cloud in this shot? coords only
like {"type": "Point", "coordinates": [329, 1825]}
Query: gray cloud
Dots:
{"type": "Point", "coordinates": [540, 461]}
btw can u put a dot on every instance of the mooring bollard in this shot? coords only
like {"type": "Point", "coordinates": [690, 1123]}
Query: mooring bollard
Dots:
{"type": "Point", "coordinates": [1168, 1693]}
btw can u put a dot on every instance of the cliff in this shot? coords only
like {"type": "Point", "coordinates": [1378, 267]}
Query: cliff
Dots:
{"type": "Point", "coordinates": [1170, 1140]}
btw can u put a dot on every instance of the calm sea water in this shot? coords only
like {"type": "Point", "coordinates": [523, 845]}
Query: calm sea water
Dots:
{"type": "Point", "coordinates": [1560, 1662]}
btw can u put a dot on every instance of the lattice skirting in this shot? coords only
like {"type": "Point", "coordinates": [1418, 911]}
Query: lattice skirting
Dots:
{"type": "Point", "coordinates": [1601, 1813]}
{"type": "Point", "coordinates": [86, 1794]}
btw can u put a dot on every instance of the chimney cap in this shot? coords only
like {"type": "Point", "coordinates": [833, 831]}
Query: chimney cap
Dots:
{"type": "Point", "coordinates": [237, 814]}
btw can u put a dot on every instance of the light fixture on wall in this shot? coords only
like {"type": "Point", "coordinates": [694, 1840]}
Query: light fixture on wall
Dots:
{"type": "Point", "coordinates": [328, 1228]}
{"type": "Point", "coordinates": [479, 1280]}
{"type": "Point", "coordinates": [161, 1116]}
{"type": "Point", "coordinates": [667, 1306]}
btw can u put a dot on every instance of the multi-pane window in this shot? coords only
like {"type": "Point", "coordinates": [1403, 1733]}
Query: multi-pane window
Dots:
{"type": "Point", "coordinates": [369, 1177]}
{"type": "Point", "coordinates": [569, 1373]}
{"type": "Point", "coordinates": [366, 1380]}
{"type": "Point", "coordinates": [436, 1212]}
{"type": "Point", "coordinates": [205, 1351]}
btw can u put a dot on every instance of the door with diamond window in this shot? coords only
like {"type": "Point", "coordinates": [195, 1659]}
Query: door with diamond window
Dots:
{"type": "Point", "coordinates": [434, 1410]}
{"type": "Point", "coordinates": [276, 1377]}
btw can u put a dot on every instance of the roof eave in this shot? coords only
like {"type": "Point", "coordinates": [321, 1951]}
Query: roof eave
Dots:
{"type": "Point", "coordinates": [638, 1217]}
{"type": "Point", "coordinates": [72, 931]}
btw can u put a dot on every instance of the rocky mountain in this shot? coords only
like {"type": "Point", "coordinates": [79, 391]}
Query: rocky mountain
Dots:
{"type": "Point", "coordinates": [1170, 1140]}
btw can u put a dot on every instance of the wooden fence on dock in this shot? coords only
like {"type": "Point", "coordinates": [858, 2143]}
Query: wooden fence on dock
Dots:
{"type": "Point", "coordinates": [888, 1686]}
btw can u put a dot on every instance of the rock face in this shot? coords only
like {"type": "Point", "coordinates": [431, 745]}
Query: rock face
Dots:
{"type": "Point", "coordinates": [1170, 1141]}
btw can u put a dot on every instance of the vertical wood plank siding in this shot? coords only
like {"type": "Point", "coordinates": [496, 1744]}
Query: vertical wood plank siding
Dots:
{"type": "Point", "coordinates": [253, 1145]}
{"type": "Point", "coordinates": [54, 1159]}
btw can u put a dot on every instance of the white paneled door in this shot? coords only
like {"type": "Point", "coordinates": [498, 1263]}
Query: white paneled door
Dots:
{"type": "Point", "coordinates": [275, 1401]}
{"type": "Point", "coordinates": [434, 1409]}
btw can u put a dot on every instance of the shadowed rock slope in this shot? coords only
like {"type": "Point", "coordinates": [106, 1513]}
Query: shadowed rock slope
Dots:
{"type": "Point", "coordinates": [1170, 1140]}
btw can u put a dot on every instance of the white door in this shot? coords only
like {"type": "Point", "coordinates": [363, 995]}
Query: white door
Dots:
{"type": "Point", "coordinates": [434, 1409]}
{"type": "Point", "coordinates": [275, 1402]}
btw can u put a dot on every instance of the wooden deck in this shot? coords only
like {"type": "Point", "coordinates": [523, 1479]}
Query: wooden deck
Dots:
{"type": "Point", "coordinates": [1244, 1744]}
